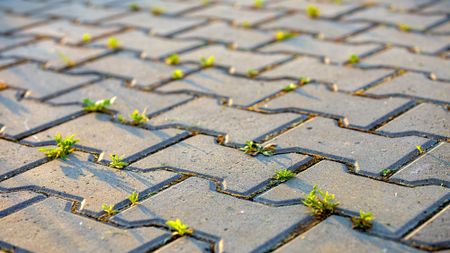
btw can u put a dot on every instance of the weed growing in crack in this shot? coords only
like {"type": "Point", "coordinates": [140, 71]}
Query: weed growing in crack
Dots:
{"type": "Point", "coordinates": [252, 73]}
{"type": "Point", "coordinates": [64, 147]}
{"type": "Point", "coordinates": [179, 227]}
{"type": "Point", "coordinates": [419, 148]}
{"type": "Point", "coordinates": [173, 59]}
{"type": "Point", "coordinates": [353, 59]}
{"type": "Point", "coordinates": [258, 4]}
{"type": "Point", "coordinates": [157, 11]}
{"type": "Point", "coordinates": [207, 62]}
{"type": "Point", "coordinates": [116, 162]}
{"type": "Point", "coordinates": [113, 43]}
{"type": "Point", "coordinates": [86, 37]}
{"type": "Point", "coordinates": [109, 209]}
{"type": "Point", "coordinates": [97, 106]}
{"type": "Point", "coordinates": [283, 175]}
{"type": "Point", "coordinates": [364, 221]}
{"type": "Point", "coordinates": [320, 203]}
{"type": "Point", "coordinates": [246, 24]}
{"type": "Point", "coordinates": [133, 198]}
{"type": "Point", "coordinates": [66, 59]}
{"type": "Point", "coordinates": [404, 27]}
{"type": "Point", "coordinates": [312, 11]}
{"type": "Point", "coordinates": [134, 7]}
{"type": "Point", "coordinates": [254, 149]}
{"type": "Point", "coordinates": [290, 87]}
{"type": "Point", "coordinates": [304, 80]}
{"type": "Point", "coordinates": [386, 172]}
{"type": "Point", "coordinates": [177, 74]}
{"type": "Point", "coordinates": [283, 35]}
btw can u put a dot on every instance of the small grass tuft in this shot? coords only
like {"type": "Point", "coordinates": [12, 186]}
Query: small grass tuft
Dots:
{"type": "Point", "coordinates": [134, 7]}
{"type": "Point", "coordinates": [283, 35]}
{"type": "Point", "coordinates": [64, 147]}
{"type": "Point", "coordinates": [133, 198]}
{"type": "Point", "coordinates": [312, 11]}
{"type": "Point", "coordinates": [353, 59]}
{"type": "Point", "coordinates": [246, 24]}
{"type": "Point", "coordinates": [258, 4]}
{"type": "Point", "coordinates": [419, 148]}
{"type": "Point", "coordinates": [109, 209]}
{"type": "Point", "coordinates": [177, 74]}
{"type": "Point", "coordinates": [254, 149]}
{"type": "Point", "coordinates": [252, 73]}
{"type": "Point", "coordinates": [386, 172]}
{"type": "Point", "coordinates": [304, 80]}
{"type": "Point", "coordinates": [86, 37]}
{"type": "Point", "coordinates": [321, 204]}
{"type": "Point", "coordinates": [116, 162]}
{"type": "Point", "coordinates": [179, 227]}
{"type": "Point", "coordinates": [364, 221]}
{"type": "Point", "coordinates": [290, 87]}
{"type": "Point", "coordinates": [404, 27]}
{"type": "Point", "coordinates": [173, 59]}
{"type": "Point", "coordinates": [113, 43]}
{"type": "Point", "coordinates": [97, 106]}
{"type": "Point", "coordinates": [282, 175]}
{"type": "Point", "coordinates": [136, 117]}
{"type": "Point", "coordinates": [207, 62]}
{"type": "Point", "coordinates": [157, 11]}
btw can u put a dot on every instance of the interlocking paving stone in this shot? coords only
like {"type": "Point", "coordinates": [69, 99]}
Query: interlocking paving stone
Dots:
{"type": "Point", "coordinates": [397, 209]}
{"type": "Point", "coordinates": [102, 134]}
{"type": "Point", "coordinates": [21, 6]}
{"type": "Point", "coordinates": [221, 32]}
{"type": "Point", "coordinates": [13, 201]}
{"type": "Point", "coordinates": [240, 125]}
{"type": "Point", "coordinates": [308, 46]}
{"type": "Point", "coordinates": [7, 62]}
{"type": "Point", "coordinates": [22, 116]}
{"type": "Point", "coordinates": [403, 4]}
{"type": "Point", "coordinates": [50, 53]}
{"type": "Point", "coordinates": [437, 8]}
{"type": "Point", "coordinates": [49, 226]}
{"type": "Point", "coordinates": [15, 156]}
{"type": "Point", "coordinates": [342, 239]}
{"type": "Point", "coordinates": [40, 82]}
{"type": "Point", "coordinates": [415, 85]}
{"type": "Point", "coordinates": [425, 118]}
{"type": "Point", "coordinates": [401, 58]}
{"type": "Point", "coordinates": [329, 29]}
{"type": "Point", "coordinates": [241, 61]}
{"type": "Point", "coordinates": [169, 7]}
{"type": "Point", "coordinates": [372, 152]}
{"type": "Point", "coordinates": [244, 226]}
{"type": "Point", "coordinates": [10, 22]}
{"type": "Point", "coordinates": [8, 42]}
{"type": "Point", "coordinates": [327, 10]}
{"type": "Point", "coordinates": [67, 31]}
{"type": "Point", "coordinates": [185, 244]}
{"type": "Point", "coordinates": [141, 71]}
{"type": "Point", "coordinates": [318, 98]}
{"type": "Point", "coordinates": [127, 99]}
{"type": "Point", "coordinates": [383, 15]}
{"type": "Point", "coordinates": [150, 46]}
{"type": "Point", "coordinates": [241, 91]}
{"type": "Point", "coordinates": [156, 24]}
{"type": "Point", "coordinates": [383, 34]}
{"type": "Point", "coordinates": [442, 29]}
{"type": "Point", "coordinates": [94, 184]}
{"type": "Point", "coordinates": [346, 78]}
{"type": "Point", "coordinates": [81, 13]}
{"type": "Point", "coordinates": [236, 171]}
{"type": "Point", "coordinates": [431, 167]}
{"type": "Point", "coordinates": [435, 231]}
{"type": "Point", "coordinates": [234, 14]}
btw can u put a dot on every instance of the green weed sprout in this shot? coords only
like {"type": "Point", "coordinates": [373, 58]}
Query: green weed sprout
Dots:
{"type": "Point", "coordinates": [304, 80]}
{"type": "Point", "coordinates": [133, 198]}
{"type": "Point", "coordinates": [179, 227]}
{"type": "Point", "coordinates": [113, 43]}
{"type": "Point", "coordinates": [290, 87]}
{"type": "Point", "coordinates": [177, 74]}
{"type": "Point", "coordinates": [258, 4]}
{"type": "Point", "coordinates": [66, 59]}
{"type": "Point", "coordinates": [282, 175]}
{"type": "Point", "coordinates": [312, 11]}
{"type": "Point", "coordinates": [386, 172]}
{"type": "Point", "coordinates": [252, 73]}
{"type": "Point", "coordinates": [246, 24]}
{"type": "Point", "coordinates": [353, 59]}
{"type": "Point", "coordinates": [64, 147]}
{"type": "Point", "coordinates": [254, 149]}
{"type": "Point", "coordinates": [109, 209]}
{"type": "Point", "coordinates": [134, 7]}
{"type": "Point", "coordinates": [116, 162]}
{"type": "Point", "coordinates": [321, 204]}
{"type": "Point", "coordinates": [364, 221]}
{"type": "Point", "coordinates": [157, 11]}
{"type": "Point", "coordinates": [86, 37]}
{"type": "Point", "coordinates": [283, 35]}
{"type": "Point", "coordinates": [137, 117]}
{"type": "Point", "coordinates": [419, 148]}
{"type": "Point", "coordinates": [207, 62]}
{"type": "Point", "coordinates": [97, 106]}
{"type": "Point", "coordinates": [404, 27]}
{"type": "Point", "coordinates": [173, 59]}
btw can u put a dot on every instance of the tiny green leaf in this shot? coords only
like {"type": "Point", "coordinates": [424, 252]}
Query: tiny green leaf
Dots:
{"type": "Point", "coordinates": [179, 227]}
{"type": "Point", "coordinates": [177, 74]}
{"type": "Point", "coordinates": [109, 209]}
{"type": "Point", "coordinates": [258, 4]}
{"type": "Point", "coordinates": [419, 148]}
{"type": "Point", "coordinates": [386, 172]}
{"type": "Point", "coordinates": [254, 149]}
{"type": "Point", "coordinates": [353, 59]}
{"type": "Point", "coordinates": [86, 37]}
{"type": "Point", "coordinates": [157, 11]}
{"type": "Point", "coordinates": [113, 43]}
{"type": "Point", "coordinates": [207, 62]}
{"type": "Point", "coordinates": [312, 11]}
{"type": "Point", "coordinates": [134, 7]}
{"type": "Point", "coordinates": [364, 221]}
{"type": "Point", "coordinates": [304, 80]}
{"type": "Point", "coordinates": [173, 59]}
{"type": "Point", "coordinates": [66, 59]}
{"type": "Point", "coordinates": [133, 198]}
{"type": "Point", "coordinates": [290, 87]}
{"type": "Point", "coordinates": [283, 35]}
{"type": "Point", "coordinates": [116, 162]}
{"type": "Point", "coordinates": [252, 73]}
{"type": "Point", "coordinates": [282, 175]}
{"type": "Point", "coordinates": [97, 106]}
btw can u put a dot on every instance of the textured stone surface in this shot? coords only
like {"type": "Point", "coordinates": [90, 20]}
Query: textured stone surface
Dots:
{"type": "Point", "coordinates": [241, 126]}
{"type": "Point", "coordinates": [169, 7]}
{"type": "Point", "coordinates": [80, 12]}
{"type": "Point", "coordinates": [93, 184]}
{"type": "Point", "coordinates": [359, 111]}
{"type": "Point", "coordinates": [14, 156]}
{"type": "Point", "coordinates": [235, 170]}
{"type": "Point", "coordinates": [414, 85]}
{"type": "Point", "coordinates": [244, 226]}
{"type": "Point", "coordinates": [346, 78]}
{"type": "Point", "coordinates": [396, 208]}
{"type": "Point", "coordinates": [435, 231]}
{"type": "Point", "coordinates": [7, 42]}
{"type": "Point", "coordinates": [425, 118]}
{"type": "Point", "coordinates": [49, 226]}
{"type": "Point", "coordinates": [327, 9]}
{"type": "Point", "coordinates": [344, 239]}
{"type": "Point", "coordinates": [23, 6]}
{"type": "Point", "coordinates": [432, 167]}
{"type": "Point", "coordinates": [10, 22]}
{"type": "Point", "coordinates": [306, 45]}
{"type": "Point", "coordinates": [241, 91]}
{"type": "Point", "coordinates": [13, 201]}
{"type": "Point", "coordinates": [185, 244]}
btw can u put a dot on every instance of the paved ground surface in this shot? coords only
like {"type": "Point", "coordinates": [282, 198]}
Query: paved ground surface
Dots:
{"type": "Point", "coordinates": [338, 131]}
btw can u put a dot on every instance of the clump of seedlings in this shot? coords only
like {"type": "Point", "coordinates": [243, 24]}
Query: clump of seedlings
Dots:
{"type": "Point", "coordinates": [97, 106]}
{"type": "Point", "coordinates": [86, 37]}
{"type": "Point", "coordinates": [173, 59]}
{"type": "Point", "coordinates": [207, 62]}
{"type": "Point", "coordinates": [320, 203]}
{"type": "Point", "coordinates": [66, 59]}
{"type": "Point", "coordinates": [353, 59]}
{"type": "Point", "coordinates": [364, 221]}
{"type": "Point", "coordinates": [283, 35]}
{"type": "Point", "coordinates": [113, 43]}
{"type": "Point", "coordinates": [133, 198]}
{"type": "Point", "coordinates": [117, 162]}
{"type": "Point", "coordinates": [64, 147]}
{"type": "Point", "coordinates": [157, 11]}
{"type": "Point", "coordinates": [290, 87]}
{"type": "Point", "coordinates": [134, 7]}
{"type": "Point", "coordinates": [252, 73]}
{"type": "Point", "coordinates": [386, 172]}
{"type": "Point", "coordinates": [253, 148]}
{"type": "Point", "coordinates": [283, 175]}
{"type": "Point", "coordinates": [257, 4]}
{"type": "Point", "coordinates": [419, 148]}
{"type": "Point", "coordinates": [177, 74]}
{"type": "Point", "coordinates": [179, 227]}
{"type": "Point", "coordinates": [109, 209]}
{"type": "Point", "coordinates": [312, 11]}
{"type": "Point", "coordinates": [137, 118]}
